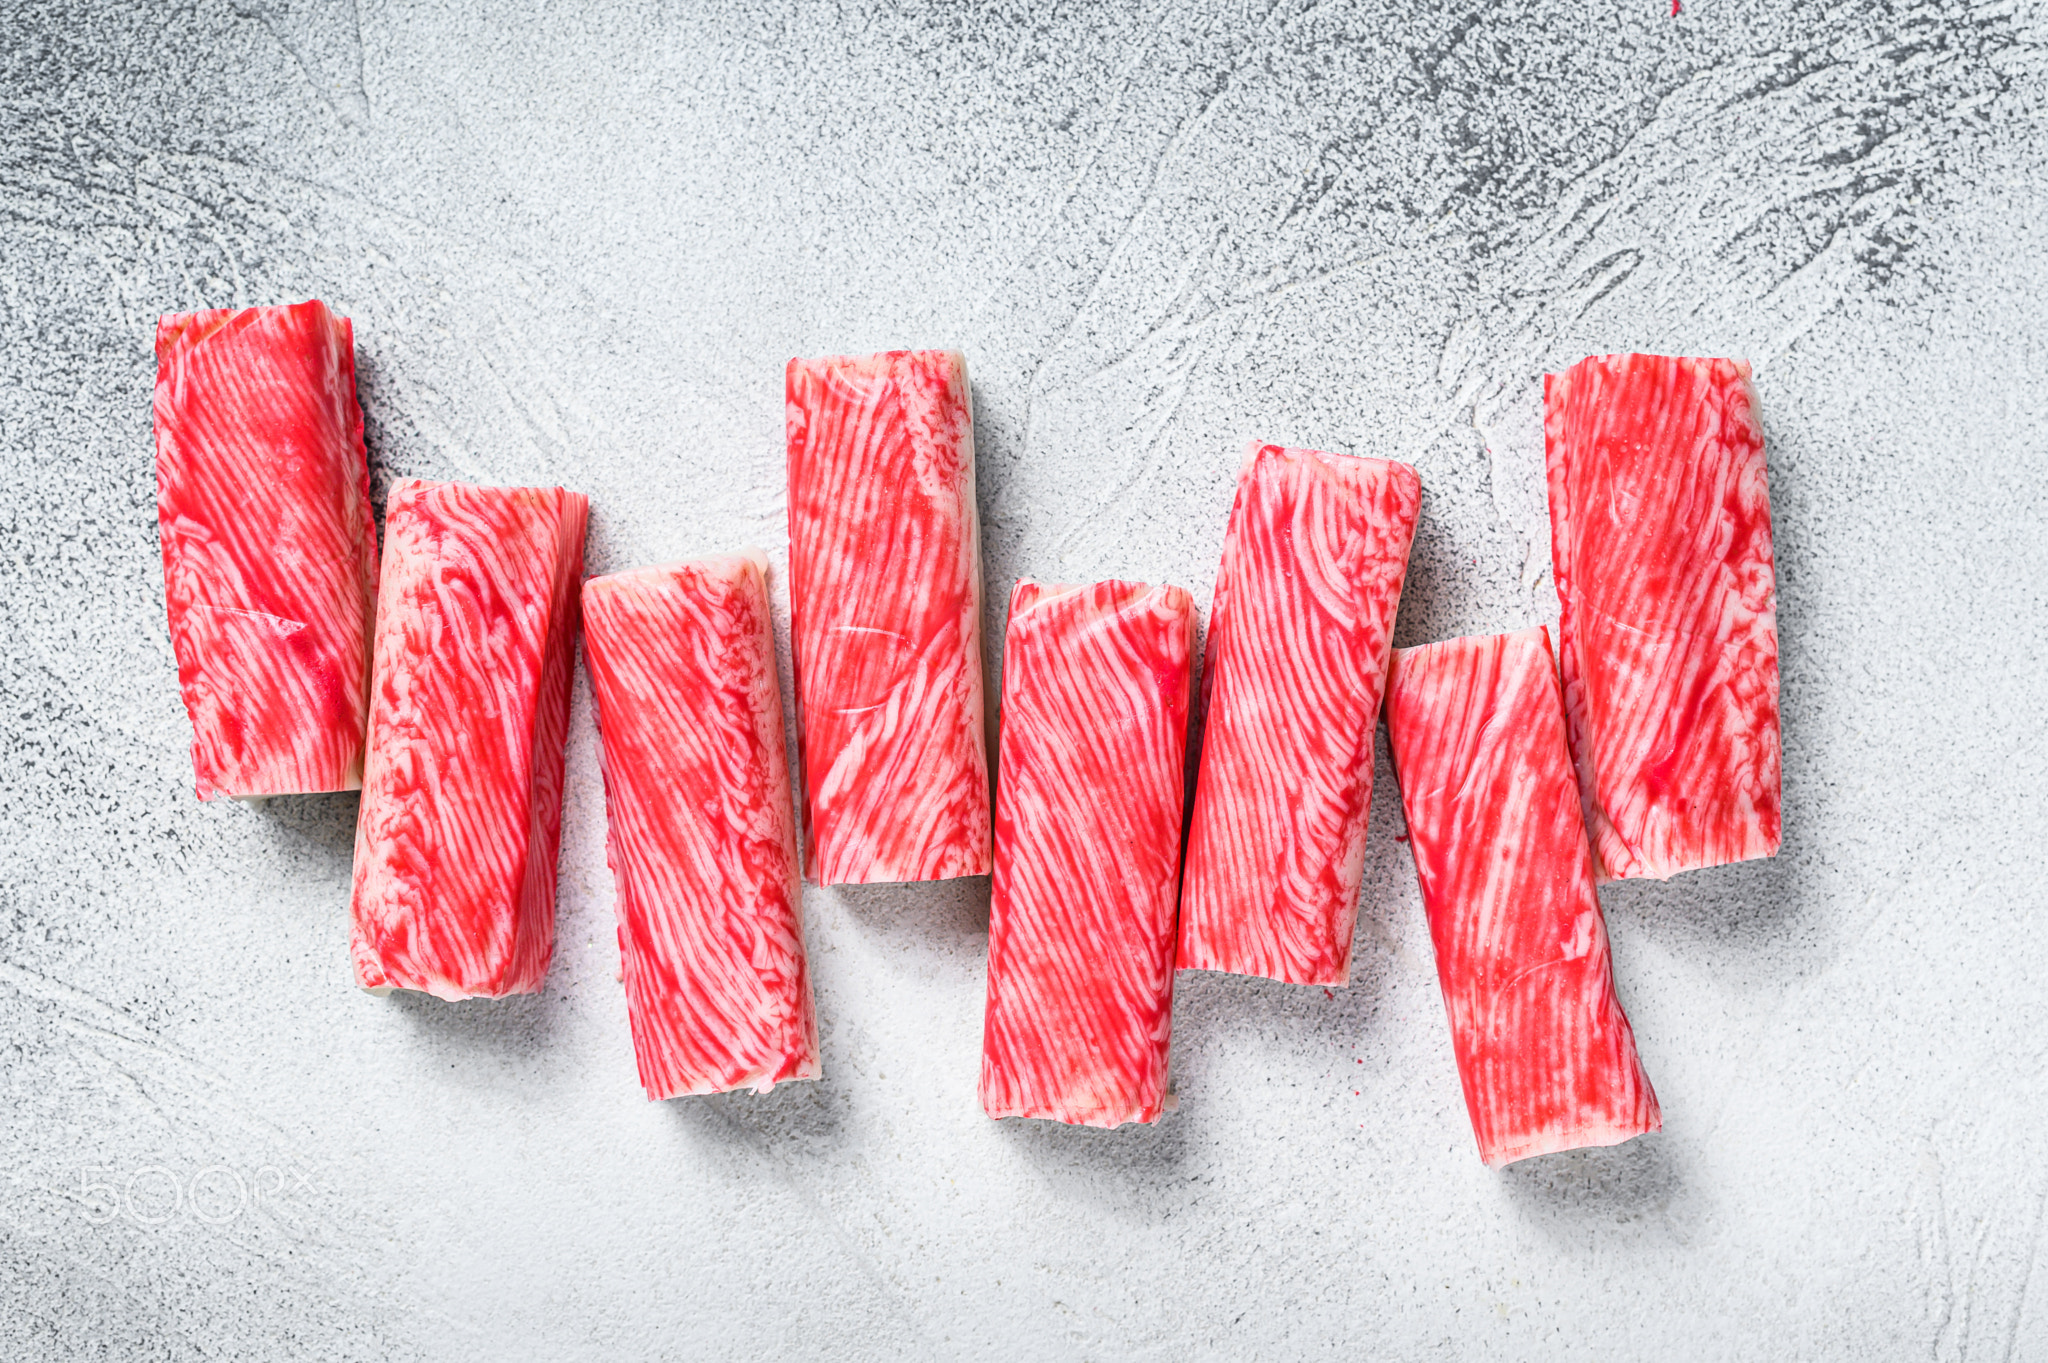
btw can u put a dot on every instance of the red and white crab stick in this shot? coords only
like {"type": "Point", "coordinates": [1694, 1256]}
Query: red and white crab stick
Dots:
{"type": "Point", "coordinates": [270, 552]}
{"type": "Point", "coordinates": [885, 617]}
{"type": "Point", "coordinates": [462, 796]}
{"type": "Point", "coordinates": [1299, 634]}
{"type": "Point", "coordinates": [1660, 523]}
{"type": "Point", "coordinates": [1545, 1053]}
{"type": "Point", "coordinates": [1096, 683]}
{"type": "Point", "coordinates": [702, 834]}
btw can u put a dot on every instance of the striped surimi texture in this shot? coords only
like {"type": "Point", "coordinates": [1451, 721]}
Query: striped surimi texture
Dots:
{"type": "Point", "coordinates": [1545, 1052]}
{"type": "Point", "coordinates": [1088, 822]}
{"type": "Point", "coordinates": [702, 839]}
{"type": "Point", "coordinates": [270, 551]}
{"type": "Point", "coordinates": [1298, 640]}
{"type": "Point", "coordinates": [469, 709]}
{"type": "Point", "coordinates": [885, 617]}
{"type": "Point", "coordinates": [1660, 527]}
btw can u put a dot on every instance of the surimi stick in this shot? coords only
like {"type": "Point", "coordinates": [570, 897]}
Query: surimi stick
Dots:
{"type": "Point", "coordinates": [269, 548]}
{"type": "Point", "coordinates": [1298, 639]}
{"type": "Point", "coordinates": [702, 835]}
{"type": "Point", "coordinates": [1660, 524]}
{"type": "Point", "coordinates": [462, 796]}
{"type": "Point", "coordinates": [885, 617]}
{"type": "Point", "coordinates": [1088, 824]}
{"type": "Point", "coordinates": [1545, 1053]}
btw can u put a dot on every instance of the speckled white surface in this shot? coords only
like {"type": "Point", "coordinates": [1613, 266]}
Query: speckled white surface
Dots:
{"type": "Point", "coordinates": [578, 242]}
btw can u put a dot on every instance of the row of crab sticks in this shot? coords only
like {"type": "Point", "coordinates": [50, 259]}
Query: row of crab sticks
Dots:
{"type": "Point", "coordinates": [448, 705]}
{"type": "Point", "coordinates": [1658, 737]}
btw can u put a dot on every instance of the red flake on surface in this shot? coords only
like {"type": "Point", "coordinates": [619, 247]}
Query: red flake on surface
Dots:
{"type": "Point", "coordinates": [469, 710]}
{"type": "Point", "coordinates": [701, 834]}
{"type": "Point", "coordinates": [269, 546]}
{"type": "Point", "coordinates": [1299, 634]}
{"type": "Point", "coordinates": [885, 617]}
{"type": "Point", "coordinates": [1661, 543]}
{"type": "Point", "coordinates": [1546, 1055]}
{"type": "Point", "coordinates": [1096, 684]}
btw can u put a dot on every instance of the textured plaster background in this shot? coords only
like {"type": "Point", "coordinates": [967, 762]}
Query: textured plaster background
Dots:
{"type": "Point", "coordinates": [578, 243]}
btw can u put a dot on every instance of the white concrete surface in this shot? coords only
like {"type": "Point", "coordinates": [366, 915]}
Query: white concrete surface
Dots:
{"type": "Point", "coordinates": [578, 242]}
